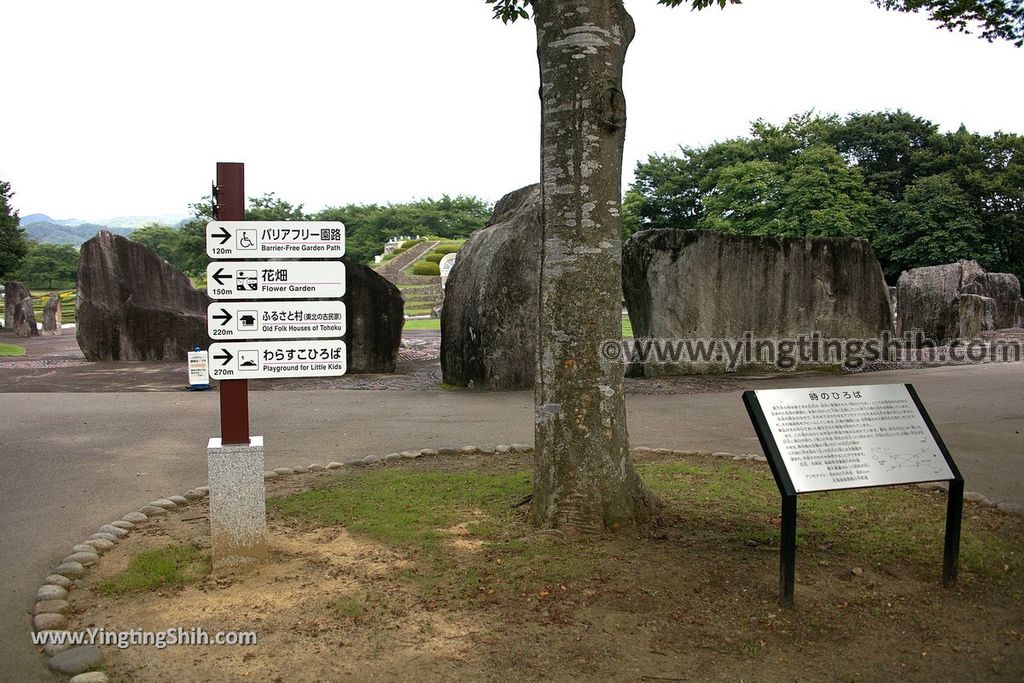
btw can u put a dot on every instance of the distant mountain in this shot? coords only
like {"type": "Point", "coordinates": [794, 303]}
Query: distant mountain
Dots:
{"type": "Point", "coordinates": [54, 233]}
{"type": "Point", "coordinates": [35, 218]}
{"type": "Point", "coordinates": [170, 219]}
{"type": "Point", "coordinates": [41, 228]}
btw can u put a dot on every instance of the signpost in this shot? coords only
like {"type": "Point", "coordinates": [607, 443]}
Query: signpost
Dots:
{"type": "Point", "coordinates": [275, 279]}
{"type": "Point", "coordinates": [271, 318]}
{"type": "Point", "coordinates": [277, 359]}
{"type": "Point", "coordinates": [830, 438]}
{"type": "Point", "coordinates": [275, 239]}
{"type": "Point", "coordinates": [275, 320]}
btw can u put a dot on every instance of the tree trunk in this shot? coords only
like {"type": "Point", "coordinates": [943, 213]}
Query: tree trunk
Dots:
{"type": "Point", "coordinates": [583, 480]}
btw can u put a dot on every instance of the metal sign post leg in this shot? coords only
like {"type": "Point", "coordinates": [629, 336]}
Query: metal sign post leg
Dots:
{"type": "Point", "coordinates": [787, 565]}
{"type": "Point", "coordinates": [954, 517]}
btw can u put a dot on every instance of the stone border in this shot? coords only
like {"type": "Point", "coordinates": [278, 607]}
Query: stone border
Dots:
{"type": "Point", "coordinates": [84, 662]}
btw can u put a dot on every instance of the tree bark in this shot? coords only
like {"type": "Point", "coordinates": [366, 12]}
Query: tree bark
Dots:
{"type": "Point", "coordinates": [584, 480]}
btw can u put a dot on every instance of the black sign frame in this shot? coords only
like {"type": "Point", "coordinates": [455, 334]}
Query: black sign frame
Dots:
{"type": "Point", "coordinates": [787, 560]}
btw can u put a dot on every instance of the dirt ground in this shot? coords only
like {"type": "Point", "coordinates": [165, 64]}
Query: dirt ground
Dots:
{"type": "Point", "coordinates": [667, 606]}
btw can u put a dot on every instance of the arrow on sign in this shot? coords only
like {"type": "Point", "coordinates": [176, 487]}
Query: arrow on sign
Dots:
{"type": "Point", "coordinates": [226, 317]}
{"type": "Point", "coordinates": [224, 235]}
{"type": "Point", "coordinates": [221, 274]}
{"type": "Point", "coordinates": [226, 356]}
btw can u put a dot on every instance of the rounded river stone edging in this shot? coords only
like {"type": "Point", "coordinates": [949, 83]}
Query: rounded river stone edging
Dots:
{"type": "Point", "coordinates": [84, 662]}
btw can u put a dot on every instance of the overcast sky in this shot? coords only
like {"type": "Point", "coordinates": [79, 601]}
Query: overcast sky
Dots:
{"type": "Point", "coordinates": [115, 108]}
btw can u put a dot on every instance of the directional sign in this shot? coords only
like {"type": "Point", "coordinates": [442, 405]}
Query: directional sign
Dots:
{"type": "Point", "coordinates": [275, 279]}
{"type": "Point", "coordinates": [267, 239]}
{"type": "Point", "coordinates": [276, 320]}
{"type": "Point", "coordinates": [263, 359]}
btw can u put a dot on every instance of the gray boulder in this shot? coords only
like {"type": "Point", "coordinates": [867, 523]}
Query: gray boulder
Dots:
{"type": "Point", "coordinates": [18, 314]}
{"type": "Point", "coordinates": [133, 305]}
{"type": "Point", "coordinates": [489, 317]}
{"type": "Point", "coordinates": [974, 315]}
{"type": "Point", "coordinates": [52, 314]}
{"type": "Point", "coordinates": [1004, 290]}
{"type": "Point", "coordinates": [943, 301]}
{"type": "Point", "coordinates": [694, 284]}
{"type": "Point", "coordinates": [376, 313]}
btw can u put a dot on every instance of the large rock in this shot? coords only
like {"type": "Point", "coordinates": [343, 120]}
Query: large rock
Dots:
{"type": "Point", "coordinates": [133, 305]}
{"type": "Point", "coordinates": [489, 318]}
{"type": "Point", "coordinates": [690, 284]}
{"type": "Point", "coordinates": [52, 314]}
{"type": "Point", "coordinates": [376, 312]}
{"type": "Point", "coordinates": [942, 301]}
{"type": "Point", "coordinates": [1004, 290]}
{"type": "Point", "coordinates": [974, 315]}
{"type": "Point", "coordinates": [18, 314]}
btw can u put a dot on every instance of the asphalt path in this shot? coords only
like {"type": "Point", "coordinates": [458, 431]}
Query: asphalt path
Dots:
{"type": "Point", "coordinates": [72, 461]}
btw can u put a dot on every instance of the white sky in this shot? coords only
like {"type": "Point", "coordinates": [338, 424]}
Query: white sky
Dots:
{"type": "Point", "coordinates": [122, 107]}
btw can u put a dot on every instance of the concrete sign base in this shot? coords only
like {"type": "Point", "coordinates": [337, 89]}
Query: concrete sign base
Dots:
{"type": "Point", "coordinates": [238, 503]}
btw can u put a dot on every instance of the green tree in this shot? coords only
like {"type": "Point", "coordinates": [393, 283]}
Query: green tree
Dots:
{"type": "Point", "coordinates": [583, 477]}
{"type": "Point", "coordinates": [934, 223]}
{"type": "Point", "coordinates": [164, 240]}
{"type": "Point", "coordinates": [368, 226]}
{"type": "Point", "coordinates": [49, 265]}
{"type": "Point", "coordinates": [13, 243]}
{"type": "Point", "coordinates": [888, 147]}
{"type": "Point", "coordinates": [269, 207]}
{"type": "Point", "coordinates": [831, 177]}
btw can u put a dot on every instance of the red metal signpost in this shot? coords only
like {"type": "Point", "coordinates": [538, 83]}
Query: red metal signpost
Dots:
{"type": "Point", "coordinates": [229, 205]}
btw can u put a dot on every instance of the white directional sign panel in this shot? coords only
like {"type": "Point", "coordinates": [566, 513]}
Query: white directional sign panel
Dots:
{"type": "Point", "coordinates": [275, 279]}
{"type": "Point", "coordinates": [275, 359]}
{"type": "Point", "coordinates": [228, 320]}
{"type": "Point", "coordinates": [270, 239]}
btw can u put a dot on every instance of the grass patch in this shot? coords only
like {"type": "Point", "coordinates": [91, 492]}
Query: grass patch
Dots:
{"type": "Point", "coordinates": [741, 505]}
{"type": "Point", "coordinates": [627, 327]}
{"type": "Point", "coordinates": [11, 350]}
{"type": "Point", "coordinates": [423, 324]}
{"type": "Point", "coordinates": [174, 566]}
{"type": "Point", "coordinates": [348, 607]}
{"type": "Point", "coordinates": [712, 509]}
{"type": "Point", "coordinates": [426, 268]}
{"type": "Point", "coordinates": [407, 508]}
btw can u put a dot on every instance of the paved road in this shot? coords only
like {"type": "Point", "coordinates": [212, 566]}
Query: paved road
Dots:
{"type": "Point", "coordinates": [72, 461]}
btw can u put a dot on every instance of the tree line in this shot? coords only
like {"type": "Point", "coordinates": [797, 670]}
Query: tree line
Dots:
{"type": "Point", "coordinates": [920, 196]}
{"type": "Point", "coordinates": [367, 226]}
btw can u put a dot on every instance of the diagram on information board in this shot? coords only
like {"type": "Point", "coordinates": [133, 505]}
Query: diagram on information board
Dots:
{"type": "Point", "coordinates": [892, 460]}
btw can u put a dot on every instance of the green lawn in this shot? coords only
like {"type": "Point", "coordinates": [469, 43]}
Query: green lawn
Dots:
{"type": "Point", "coordinates": [11, 350]}
{"type": "Point", "coordinates": [177, 565]}
{"type": "Point", "coordinates": [423, 324]}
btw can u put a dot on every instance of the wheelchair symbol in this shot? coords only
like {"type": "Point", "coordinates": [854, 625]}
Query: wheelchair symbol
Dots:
{"type": "Point", "coordinates": [246, 239]}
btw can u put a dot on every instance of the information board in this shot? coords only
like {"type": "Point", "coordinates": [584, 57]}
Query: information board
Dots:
{"type": "Point", "coordinates": [198, 369]}
{"type": "Point", "coordinates": [849, 437]}
{"type": "Point", "coordinates": [278, 359]}
{"type": "Point", "coordinates": [828, 438]}
{"type": "Point", "coordinates": [275, 239]}
{"type": "Point", "coordinates": [275, 279]}
{"type": "Point", "coordinates": [227, 320]}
